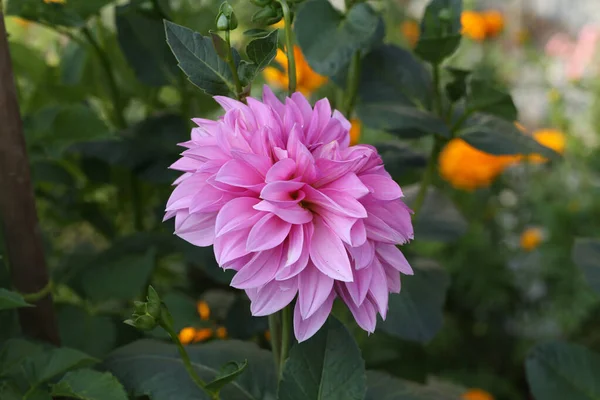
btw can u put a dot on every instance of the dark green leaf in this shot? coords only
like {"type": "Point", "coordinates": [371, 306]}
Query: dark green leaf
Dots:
{"type": "Point", "coordinates": [400, 159]}
{"type": "Point", "coordinates": [221, 46]}
{"type": "Point", "coordinates": [255, 32]}
{"type": "Point", "coordinates": [586, 255]}
{"type": "Point", "coordinates": [72, 63]}
{"type": "Point", "coordinates": [14, 353]}
{"type": "Point", "coordinates": [241, 324]}
{"type": "Point", "coordinates": [484, 97]}
{"type": "Point", "coordinates": [457, 88]}
{"type": "Point", "coordinates": [142, 41]}
{"type": "Point", "coordinates": [9, 391]}
{"type": "Point", "coordinates": [93, 334]}
{"type": "Point", "coordinates": [440, 30]}
{"type": "Point", "coordinates": [403, 121]}
{"type": "Point", "coordinates": [71, 13]}
{"type": "Point", "coordinates": [123, 277]}
{"type": "Point", "coordinates": [261, 51]}
{"type": "Point", "coordinates": [155, 369]}
{"type": "Point", "coordinates": [385, 387]}
{"type": "Point", "coordinates": [329, 39]}
{"type": "Point", "coordinates": [55, 362]}
{"type": "Point", "coordinates": [416, 313]}
{"type": "Point", "coordinates": [328, 366]}
{"type": "Point", "coordinates": [10, 300]}
{"type": "Point", "coordinates": [498, 136]}
{"type": "Point", "coordinates": [27, 62]}
{"type": "Point", "coordinates": [390, 74]}
{"type": "Point", "coordinates": [87, 384]}
{"type": "Point", "coordinates": [228, 373]}
{"type": "Point", "coordinates": [199, 60]}
{"type": "Point", "coordinates": [560, 371]}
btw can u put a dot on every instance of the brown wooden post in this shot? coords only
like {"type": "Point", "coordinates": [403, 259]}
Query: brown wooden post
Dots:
{"type": "Point", "coordinates": [18, 216]}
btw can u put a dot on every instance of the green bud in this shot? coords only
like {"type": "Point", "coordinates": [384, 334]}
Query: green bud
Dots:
{"type": "Point", "coordinates": [154, 302]}
{"type": "Point", "coordinates": [268, 15]}
{"type": "Point", "coordinates": [445, 15]}
{"type": "Point", "coordinates": [233, 22]}
{"type": "Point", "coordinates": [226, 9]}
{"type": "Point", "coordinates": [145, 322]}
{"type": "Point", "coordinates": [140, 308]}
{"type": "Point", "coordinates": [222, 22]}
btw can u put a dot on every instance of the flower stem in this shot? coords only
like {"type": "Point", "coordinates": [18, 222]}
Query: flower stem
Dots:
{"type": "Point", "coordinates": [112, 83]}
{"type": "Point", "coordinates": [286, 324]}
{"type": "Point", "coordinates": [352, 84]}
{"type": "Point", "coordinates": [234, 71]}
{"type": "Point", "coordinates": [289, 45]}
{"type": "Point", "coordinates": [275, 337]}
{"type": "Point", "coordinates": [187, 363]}
{"type": "Point", "coordinates": [428, 176]}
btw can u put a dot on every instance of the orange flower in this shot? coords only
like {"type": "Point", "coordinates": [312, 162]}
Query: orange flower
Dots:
{"type": "Point", "coordinates": [203, 334]}
{"type": "Point", "coordinates": [186, 335]}
{"type": "Point", "coordinates": [494, 23]}
{"type": "Point", "coordinates": [307, 80]}
{"type": "Point", "coordinates": [468, 168]}
{"type": "Point", "coordinates": [477, 394]}
{"type": "Point", "coordinates": [221, 332]}
{"type": "Point", "coordinates": [23, 23]}
{"type": "Point", "coordinates": [355, 131]}
{"type": "Point", "coordinates": [203, 310]}
{"type": "Point", "coordinates": [473, 25]}
{"type": "Point", "coordinates": [531, 238]}
{"type": "Point", "coordinates": [551, 138]}
{"type": "Point", "coordinates": [411, 31]}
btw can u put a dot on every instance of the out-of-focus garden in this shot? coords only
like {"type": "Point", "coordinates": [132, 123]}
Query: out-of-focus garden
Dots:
{"type": "Point", "coordinates": [506, 285]}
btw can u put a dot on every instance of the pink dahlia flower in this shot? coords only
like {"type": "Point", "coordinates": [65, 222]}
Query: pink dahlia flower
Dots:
{"type": "Point", "coordinates": [295, 210]}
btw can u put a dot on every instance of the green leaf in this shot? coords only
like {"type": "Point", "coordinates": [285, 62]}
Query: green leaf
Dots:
{"type": "Point", "coordinates": [586, 255]}
{"type": "Point", "coordinates": [72, 63]}
{"type": "Point", "coordinates": [385, 387]}
{"type": "Point", "coordinates": [142, 41]}
{"type": "Point", "coordinates": [199, 60]}
{"type": "Point", "coordinates": [400, 159]}
{"type": "Point", "coordinates": [10, 300]}
{"type": "Point", "coordinates": [440, 30]}
{"type": "Point", "coordinates": [328, 366]}
{"type": "Point", "coordinates": [154, 369]}
{"type": "Point", "coordinates": [14, 353]}
{"type": "Point", "coordinates": [484, 97]}
{"type": "Point", "coordinates": [262, 51]}
{"type": "Point", "coordinates": [329, 38]}
{"type": "Point", "coordinates": [228, 373]}
{"type": "Point", "coordinates": [93, 334]}
{"type": "Point", "coordinates": [559, 371]}
{"type": "Point", "coordinates": [498, 136]}
{"type": "Point", "coordinates": [256, 32]}
{"type": "Point", "coordinates": [55, 362]}
{"type": "Point", "coordinates": [416, 313]}
{"type": "Point", "coordinates": [87, 384]}
{"type": "Point", "coordinates": [72, 13]}
{"type": "Point", "coordinates": [9, 391]}
{"type": "Point", "coordinates": [403, 121]}
{"type": "Point", "coordinates": [27, 62]}
{"type": "Point", "coordinates": [457, 88]}
{"type": "Point", "coordinates": [123, 277]}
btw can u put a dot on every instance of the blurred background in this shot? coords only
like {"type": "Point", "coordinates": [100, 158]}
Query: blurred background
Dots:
{"type": "Point", "coordinates": [104, 106]}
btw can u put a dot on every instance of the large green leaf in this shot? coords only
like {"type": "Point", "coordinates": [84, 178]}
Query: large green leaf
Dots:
{"type": "Point", "coordinates": [385, 387]}
{"type": "Point", "coordinates": [121, 278]}
{"type": "Point", "coordinates": [262, 50]}
{"type": "Point", "coordinates": [14, 353]}
{"type": "Point", "coordinates": [417, 312]}
{"type": "Point", "coordinates": [227, 374]}
{"type": "Point", "coordinates": [93, 334]}
{"type": "Point", "coordinates": [327, 366]}
{"type": "Point", "coordinates": [498, 136]}
{"type": "Point", "coordinates": [560, 371]}
{"type": "Point", "coordinates": [199, 60]}
{"type": "Point", "coordinates": [69, 13]}
{"type": "Point", "coordinates": [87, 384]}
{"type": "Point", "coordinates": [329, 38]}
{"type": "Point", "coordinates": [403, 121]}
{"type": "Point", "coordinates": [142, 40]}
{"type": "Point", "coordinates": [440, 30]}
{"type": "Point", "coordinates": [485, 97]}
{"type": "Point", "coordinates": [586, 254]}
{"type": "Point", "coordinates": [72, 63]}
{"type": "Point", "coordinates": [10, 300]}
{"type": "Point", "coordinates": [44, 366]}
{"type": "Point", "coordinates": [155, 369]}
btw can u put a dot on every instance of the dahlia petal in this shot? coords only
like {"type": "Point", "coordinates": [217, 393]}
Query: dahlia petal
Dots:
{"type": "Point", "coordinates": [306, 328]}
{"type": "Point", "coordinates": [304, 107]}
{"type": "Point", "coordinates": [271, 297]}
{"type": "Point", "coordinates": [238, 173]}
{"type": "Point", "coordinates": [198, 229]}
{"type": "Point", "coordinates": [186, 164]}
{"type": "Point", "coordinates": [343, 120]}
{"type": "Point", "coordinates": [281, 170]}
{"type": "Point", "coordinates": [335, 169]}
{"type": "Point", "coordinates": [272, 101]}
{"type": "Point", "coordinates": [390, 254]}
{"type": "Point", "coordinates": [350, 184]}
{"type": "Point", "coordinates": [268, 232]}
{"type": "Point", "coordinates": [294, 269]}
{"type": "Point", "coordinates": [360, 287]}
{"type": "Point", "coordinates": [393, 279]}
{"type": "Point", "coordinates": [260, 163]}
{"type": "Point", "coordinates": [295, 245]}
{"type": "Point", "coordinates": [365, 315]}
{"type": "Point", "coordinates": [320, 117]}
{"type": "Point", "coordinates": [340, 224]}
{"type": "Point", "coordinates": [378, 288]}
{"type": "Point", "coordinates": [292, 213]}
{"type": "Point", "coordinates": [313, 290]}
{"type": "Point", "coordinates": [363, 254]}
{"type": "Point", "coordinates": [209, 199]}
{"type": "Point", "coordinates": [281, 191]}
{"type": "Point", "coordinates": [236, 214]}
{"type": "Point", "coordinates": [230, 246]}
{"type": "Point", "coordinates": [328, 253]}
{"type": "Point", "coordinates": [260, 270]}
{"type": "Point", "coordinates": [382, 187]}
{"type": "Point", "coordinates": [350, 207]}
{"type": "Point", "coordinates": [358, 233]}
{"type": "Point", "coordinates": [379, 230]}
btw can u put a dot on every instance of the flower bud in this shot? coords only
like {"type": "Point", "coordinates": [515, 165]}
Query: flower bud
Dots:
{"type": "Point", "coordinates": [142, 322]}
{"type": "Point", "coordinates": [222, 22]}
{"type": "Point", "coordinates": [140, 307]}
{"type": "Point", "coordinates": [268, 16]}
{"type": "Point", "coordinates": [154, 303]}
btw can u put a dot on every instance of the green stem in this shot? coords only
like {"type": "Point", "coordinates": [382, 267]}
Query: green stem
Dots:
{"type": "Point", "coordinates": [286, 324]}
{"type": "Point", "coordinates": [352, 84]}
{"type": "Point", "coordinates": [461, 121]}
{"type": "Point", "coordinates": [428, 176]}
{"type": "Point", "coordinates": [40, 294]}
{"type": "Point", "coordinates": [275, 337]}
{"type": "Point", "coordinates": [112, 84]}
{"type": "Point", "coordinates": [187, 363]}
{"type": "Point", "coordinates": [289, 44]}
{"type": "Point", "coordinates": [234, 72]}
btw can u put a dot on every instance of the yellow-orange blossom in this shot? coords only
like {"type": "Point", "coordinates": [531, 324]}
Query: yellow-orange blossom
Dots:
{"type": "Point", "coordinates": [307, 80]}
